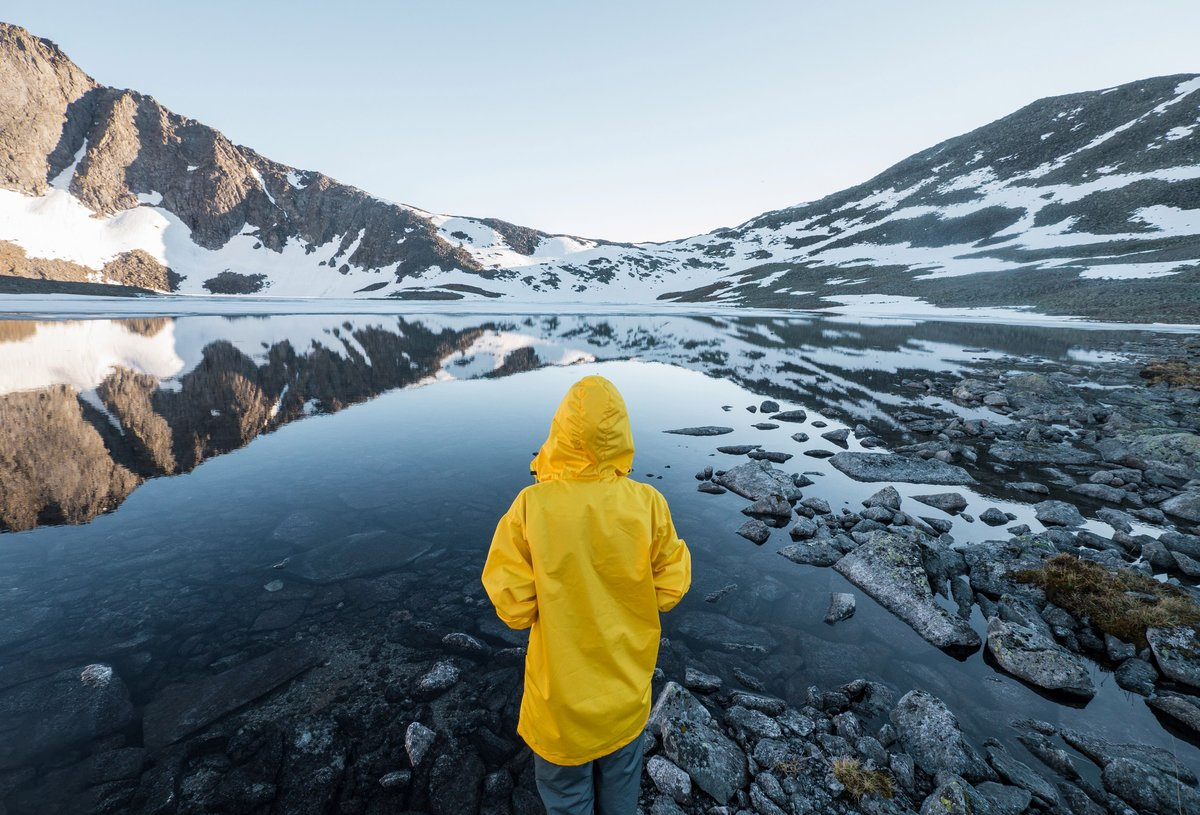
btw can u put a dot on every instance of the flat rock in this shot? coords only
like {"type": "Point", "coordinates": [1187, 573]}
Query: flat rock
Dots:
{"type": "Point", "coordinates": [891, 570]}
{"type": "Point", "coordinates": [765, 426]}
{"type": "Point", "coordinates": [841, 607]}
{"type": "Point", "coordinates": [692, 740]}
{"type": "Point", "coordinates": [711, 488]}
{"type": "Point", "coordinates": [1136, 676]}
{"type": "Point", "coordinates": [950, 503]}
{"type": "Point", "coordinates": [703, 430]}
{"type": "Point", "coordinates": [1100, 492]}
{"type": "Point", "coordinates": [888, 467]}
{"type": "Point", "coordinates": [1177, 652]}
{"type": "Point", "coordinates": [1147, 790]}
{"type": "Point", "coordinates": [819, 553]}
{"type": "Point", "coordinates": [1057, 513]}
{"type": "Point", "coordinates": [45, 717]}
{"type": "Point", "coordinates": [738, 449]}
{"type": "Point", "coordinates": [769, 455]}
{"type": "Point", "coordinates": [1024, 452]}
{"type": "Point", "coordinates": [719, 631]}
{"type": "Point", "coordinates": [181, 709]}
{"type": "Point", "coordinates": [930, 733]}
{"type": "Point", "coordinates": [1184, 710]}
{"type": "Point", "coordinates": [1186, 505]}
{"type": "Point", "coordinates": [772, 506]}
{"type": "Point", "coordinates": [758, 479]}
{"type": "Point", "coordinates": [1022, 775]}
{"type": "Point", "coordinates": [1031, 487]}
{"type": "Point", "coordinates": [358, 555]}
{"type": "Point", "coordinates": [755, 531]}
{"type": "Point", "coordinates": [819, 453]}
{"type": "Point", "coordinates": [697, 680]}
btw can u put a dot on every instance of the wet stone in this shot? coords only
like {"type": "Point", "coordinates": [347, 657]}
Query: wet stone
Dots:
{"type": "Point", "coordinates": [757, 479]}
{"type": "Point", "coordinates": [765, 426]}
{"type": "Point", "coordinates": [950, 503]}
{"type": "Point", "coordinates": [1136, 676]}
{"type": "Point", "coordinates": [1057, 513]}
{"type": "Point", "coordinates": [898, 468]}
{"type": "Point", "coordinates": [711, 488]}
{"type": "Point", "coordinates": [819, 453]}
{"type": "Point", "coordinates": [1183, 710]}
{"type": "Point", "coordinates": [772, 506]}
{"type": "Point", "coordinates": [791, 416]}
{"type": "Point", "coordinates": [800, 437]}
{"type": "Point", "coordinates": [769, 455]}
{"type": "Point", "coordinates": [441, 677]}
{"type": "Point", "coordinates": [820, 553]}
{"type": "Point", "coordinates": [1177, 652]}
{"type": "Point", "coordinates": [993, 517]}
{"type": "Point", "coordinates": [755, 531]}
{"type": "Point", "coordinates": [738, 449]}
{"type": "Point", "coordinates": [841, 607]}
{"type": "Point", "coordinates": [836, 436]}
{"type": "Point", "coordinates": [1030, 487]}
{"type": "Point", "coordinates": [418, 739]}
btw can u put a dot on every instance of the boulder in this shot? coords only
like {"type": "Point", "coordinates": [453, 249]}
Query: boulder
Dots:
{"type": "Point", "coordinates": [1186, 505]}
{"type": "Point", "coordinates": [755, 531]}
{"type": "Point", "coordinates": [1030, 655]}
{"type": "Point", "coordinates": [888, 498]}
{"type": "Point", "coordinates": [1177, 652]}
{"type": "Point", "coordinates": [1057, 513]}
{"type": "Point", "coordinates": [888, 467]}
{"type": "Point", "coordinates": [669, 779]}
{"type": "Point", "coordinates": [950, 503]}
{"type": "Point", "coordinates": [929, 732]}
{"type": "Point", "coordinates": [1147, 790]}
{"type": "Point", "coordinates": [692, 740]}
{"type": "Point", "coordinates": [891, 570]}
{"type": "Point", "coordinates": [758, 479]}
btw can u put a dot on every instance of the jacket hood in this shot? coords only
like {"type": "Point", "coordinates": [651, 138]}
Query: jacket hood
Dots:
{"type": "Point", "coordinates": [590, 437]}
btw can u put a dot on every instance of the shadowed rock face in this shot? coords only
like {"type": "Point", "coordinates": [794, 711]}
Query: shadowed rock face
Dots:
{"type": "Point", "coordinates": [63, 461]}
{"type": "Point", "coordinates": [49, 109]}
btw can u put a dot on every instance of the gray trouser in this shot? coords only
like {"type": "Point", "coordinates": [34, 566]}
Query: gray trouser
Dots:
{"type": "Point", "coordinates": [608, 785]}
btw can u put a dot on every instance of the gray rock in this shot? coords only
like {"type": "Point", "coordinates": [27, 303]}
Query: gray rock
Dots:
{"type": "Point", "coordinates": [738, 449]}
{"type": "Point", "coordinates": [1137, 676]}
{"type": "Point", "coordinates": [705, 474]}
{"type": "Point", "coordinates": [993, 517]}
{"type": "Point", "coordinates": [1102, 751]}
{"type": "Point", "coordinates": [1184, 710]}
{"type": "Point", "coordinates": [837, 436]}
{"type": "Point", "coordinates": [462, 643]}
{"type": "Point", "coordinates": [762, 802]}
{"type": "Point", "coordinates": [397, 779]}
{"type": "Point", "coordinates": [697, 680]}
{"type": "Point", "coordinates": [1023, 452]}
{"type": "Point", "coordinates": [1021, 775]}
{"type": "Point", "coordinates": [929, 733]}
{"type": "Point", "coordinates": [711, 488]}
{"type": "Point", "coordinates": [791, 416]}
{"type": "Point", "coordinates": [1118, 520]}
{"type": "Point", "coordinates": [956, 797]}
{"type": "Point", "coordinates": [891, 570]}
{"type": "Point", "coordinates": [758, 479]}
{"type": "Point", "coordinates": [455, 783]}
{"type": "Point", "coordinates": [887, 467]}
{"type": "Point", "coordinates": [773, 506]}
{"type": "Point", "coordinates": [1147, 790]}
{"type": "Point", "coordinates": [756, 701]}
{"type": "Point", "coordinates": [1039, 660]}
{"type": "Point", "coordinates": [669, 779]}
{"type": "Point", "coordinates": [1005, 800]}
{"type": "Point", "coordinates": [704, 430]}
{"type": "Point", "coordinates": [182, 709]}
{"type": "Point", "coordinates": [755, 531]}
{"type": "Point", "coordinates": [1185, 505]}
{"type": "Point", "coordinates": [820, 553]}
{"type": "Point", "coordinates": [753, 723]}
{"type": "Point", "coordinates": [800, 437]}
{"type": "Point", "coordinates": [887, 498]}
{"type": "Point", "coordinates": [841, 607]}
{"type": "Point", "coordinates": [1177, 652]}
{"type": "Point", "coordinates": [803, 529]}
{"type": "Point", "coordinates": [418, 739]}
{"type": "Point", "coordinates": [765, 426]}
{"type": "Point", "coordinates": [692, 740]}
{"type": "Point", "coordinates": [441, 677]}
{"type": "Point", "coordinates": [1100, 492]}
{"type": "Point", "coordinates": [718, 631]}
{"type": "Point", "coordinates": [1029, 486]}
{"type": "Point", "coordinates": [769, 455]}
{"type": "Point", "coordinates": [950, 503]}
{"type": "Point", "coordinates": [768, 406]}
{"type": "Point", "coordinates": [796, 723]}
{"type": "Point", "coordinates": [1057, 513]}
{"type": "Point", "coordinates": [819, 506]}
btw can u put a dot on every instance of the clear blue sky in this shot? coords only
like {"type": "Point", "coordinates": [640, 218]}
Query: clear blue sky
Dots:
{"type": "Point", "coordinates": [624, 120]}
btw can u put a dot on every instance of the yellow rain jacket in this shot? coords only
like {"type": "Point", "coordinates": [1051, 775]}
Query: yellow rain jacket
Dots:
{"type": "Point", "coordinates": [586, 558]}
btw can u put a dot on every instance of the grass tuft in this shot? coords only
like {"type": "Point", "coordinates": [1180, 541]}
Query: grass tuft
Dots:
{"type": "Point", "coordinates": [859, 781]}
{"type": "Point", "coordinates": [1123, 603]}
{"type": "Point", "coordinates": [1176, 373]}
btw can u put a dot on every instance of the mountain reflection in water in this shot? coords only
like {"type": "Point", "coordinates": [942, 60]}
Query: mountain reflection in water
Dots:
{"type": "Point", "coordinates": [93, 408]}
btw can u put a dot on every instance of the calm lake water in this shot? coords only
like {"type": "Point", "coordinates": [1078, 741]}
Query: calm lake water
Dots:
{"type": "Point", "coordinates": [167, 481]}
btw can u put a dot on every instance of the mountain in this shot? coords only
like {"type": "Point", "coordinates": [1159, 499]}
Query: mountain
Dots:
{"type": "Point", "coordinates": [1085, 204]}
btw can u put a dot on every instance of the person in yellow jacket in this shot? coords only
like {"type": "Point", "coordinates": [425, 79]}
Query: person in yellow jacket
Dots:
{"type": "Point", "coordinates": [586, 558]}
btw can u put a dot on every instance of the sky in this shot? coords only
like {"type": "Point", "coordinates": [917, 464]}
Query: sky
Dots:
{"type": "Point", "coordinates": [631, 121]}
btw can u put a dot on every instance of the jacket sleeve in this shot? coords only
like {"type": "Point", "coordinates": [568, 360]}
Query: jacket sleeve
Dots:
{"type": "Point", "coordinates": [669, 558]}
{"type": "Point", "coordinates": [508, 572]}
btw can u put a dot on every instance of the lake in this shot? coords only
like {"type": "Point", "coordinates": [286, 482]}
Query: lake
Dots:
{"type": "Point", "coordinates": [186, 495]}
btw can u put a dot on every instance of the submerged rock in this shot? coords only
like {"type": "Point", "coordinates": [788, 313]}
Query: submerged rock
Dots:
{"type": "Point", "coordinates": [888, 467]}
{"type": "Point", "coordinates": [818, 553]}
{"type": "Point", "coordinates": [719, 631]}
{"type": "Point", "coordinates": [1024, 452]}
{"type": "Point", "coordinates": [891, 569]}
{"type": "Point", "coordinates": [755, 531]}
{"type": "Point", "coordinates": [359, 555]}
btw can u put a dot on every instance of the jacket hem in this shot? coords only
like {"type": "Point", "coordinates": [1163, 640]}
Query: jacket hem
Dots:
{"type": "Point", "coordinates": [575, 760]}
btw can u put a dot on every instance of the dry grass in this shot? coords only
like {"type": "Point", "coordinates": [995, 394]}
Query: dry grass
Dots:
{"type": "Point", "coordinates": [859, 781]}
{"type": "Point", "coordinates": [1176, 373]}
{"type": "Point", "coordinates": [1117, 602]}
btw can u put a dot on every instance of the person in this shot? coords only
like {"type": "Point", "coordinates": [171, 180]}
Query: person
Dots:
{"type": "Point", "coordinates": [586, 558]}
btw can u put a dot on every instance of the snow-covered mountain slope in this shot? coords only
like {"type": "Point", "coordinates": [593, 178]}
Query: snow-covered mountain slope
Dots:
{"type": "Point", "coordinates": [1087, 204]}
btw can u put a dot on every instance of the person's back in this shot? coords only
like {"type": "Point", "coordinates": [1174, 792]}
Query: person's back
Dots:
{"type": "Point", "coordinates": [587, 558]}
